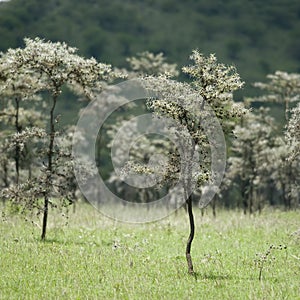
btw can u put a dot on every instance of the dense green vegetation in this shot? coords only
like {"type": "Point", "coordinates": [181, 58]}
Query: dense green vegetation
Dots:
{"type": "Point", "coordinates": [92, 257]}
{"type": "Point", "coordinates": [259, 37]}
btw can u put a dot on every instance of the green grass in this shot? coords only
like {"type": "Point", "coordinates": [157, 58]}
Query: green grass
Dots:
{"type": "Point", "coordinates": [93, 257]}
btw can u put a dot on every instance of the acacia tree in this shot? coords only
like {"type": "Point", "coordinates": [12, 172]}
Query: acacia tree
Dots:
{"type": "Point", "coordinates": [283, 88]}
{"type": "Point", "coordinates": [56, 65]}
{"type": "Point", "coordinates": [215, 83]}
{"type": "Point", "coordinates": [16, 88]}
{"type": "Point", "coordinates": [143, 64]}
{"type": "Point", "coordinates": [293, 139]}
{"type": "Point", "coordinates": [293, 133]}
{"type": "Point", "coordinates": [184, 107]}
{"type": "Point", "coordinates": [248, 166]}
{"type": "Point", "coordinates": [148, 63]}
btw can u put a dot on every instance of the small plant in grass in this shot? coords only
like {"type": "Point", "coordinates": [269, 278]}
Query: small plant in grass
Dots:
{"type": "Point", "coordinates": [266, 258]}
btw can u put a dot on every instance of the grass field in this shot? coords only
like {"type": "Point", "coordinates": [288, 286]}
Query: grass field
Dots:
{"type": "Point", "coordinates": [89, 256]}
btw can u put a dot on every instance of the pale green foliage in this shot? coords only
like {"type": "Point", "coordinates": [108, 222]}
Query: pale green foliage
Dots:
{"type": "Point", "coordinates": [147, 156]}
{"type": "Point", "coordinates": [177, 105]}
{"type": "Point", "coordinates": [215, 83]}
{"type": "Point", "coordinates": [293, 133]}
{"type": "Point", "coordinates": [283, 88]}
{"type": "Point", "coordinates": [263, 160]}
{"type": "Point", "coordinates": [183, 108]}
{"type": "Point", "coordinates": [27, 117]}
{"type": "Point", "coordinates": [16, 80]}
{"type": "Point", "coordinates": [25, 136]}
{"type": "Point", "coordinates": [249, 163]}
{"type": "Point", "coordinates": [6, 163]}
{"type": "Point", "coordinates": [147, 63]}
{"type": "Point", "coordinates": [284, 172]}
{"type": "Point", "coordinates": [58, 63]}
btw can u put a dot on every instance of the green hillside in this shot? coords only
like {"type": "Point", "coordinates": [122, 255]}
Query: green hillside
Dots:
{"type": "Point", "coordinates": [257, 36]}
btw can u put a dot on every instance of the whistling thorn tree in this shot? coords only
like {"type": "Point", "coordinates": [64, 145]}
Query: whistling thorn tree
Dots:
{"type": "Point", "coordinates": [55, 65]}
{"type": "Point", "coordinates": [249, 162]}
{"type": "Point", "coordinates": [293, 132]}
{"type": "Point", "coordinates": [147, 63]}
{"type": "Point", "coordinates": [17, 84]}
{"type": "Point", "coordinates": [283, 88]}
{"type": "Point", "coordinates": [184, 109]}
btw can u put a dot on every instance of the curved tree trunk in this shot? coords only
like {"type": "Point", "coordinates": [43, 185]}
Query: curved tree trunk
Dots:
{"type": "Point", "coordinates": [191, 236]}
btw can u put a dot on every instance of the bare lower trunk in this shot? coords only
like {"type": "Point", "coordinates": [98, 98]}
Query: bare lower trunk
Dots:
{"type": "Point", "coordinates": [18, 148]}
{"type": "Point", "coordinates": [45, 217]}
{"type": "Point", "coordinates": [213, 204]}
{"type": "Point", "coordinates": [49, 168]}
{"type": "Point", "coordinates": [191, 236]}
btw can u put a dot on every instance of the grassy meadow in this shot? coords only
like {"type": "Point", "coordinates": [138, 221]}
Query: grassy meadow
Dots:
{"type": "Point", "coordinates": [88, 256]}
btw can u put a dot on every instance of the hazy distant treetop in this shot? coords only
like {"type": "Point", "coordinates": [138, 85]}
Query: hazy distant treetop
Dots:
{"type": "Point", "coordinates": [147, 63]}
{"type": "Point", "coordinates": [281, 87]}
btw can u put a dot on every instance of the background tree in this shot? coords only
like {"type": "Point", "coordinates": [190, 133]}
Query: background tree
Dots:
{"type": "Point", "coordinates": [282, 88]}
{"type": "Point", "coordinates": [56, 65]}
{"type": "Point", "coordinates": [148, 63]}
{"type": "Point", "coordinates": [17, 88]}
{"type": "Point", "coordinates": [143, 64]}
{"type": "Point", "coordinates": [293, 139]}
{"type": "Point", "coordinates": [248, 164]}
{"type": "Point", "coordinates": [293, 133]}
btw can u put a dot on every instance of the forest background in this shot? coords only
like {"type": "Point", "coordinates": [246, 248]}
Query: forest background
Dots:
{"type": "Point", "coordinates": [257, 37]}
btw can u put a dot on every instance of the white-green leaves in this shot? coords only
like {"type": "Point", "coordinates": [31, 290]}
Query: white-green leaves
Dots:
{"type": "Point", "coordinates": [293, 133]}
{"type": "Point", "coordinates": [282, 86]}
{"type": "Point", "coordinates": [147, 63]}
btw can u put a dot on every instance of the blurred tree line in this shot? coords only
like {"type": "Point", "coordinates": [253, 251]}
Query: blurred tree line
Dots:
{"type": "Point", "coordinates": [258, 37]}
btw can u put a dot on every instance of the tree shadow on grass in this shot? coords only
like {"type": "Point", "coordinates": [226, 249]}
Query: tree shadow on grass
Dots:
{"type": "Point", "coordinates": [226, 276]}
{"type": "Point", "coordinates": [67, 242]}
{"type": "Point", "coordinates": [212, 276]}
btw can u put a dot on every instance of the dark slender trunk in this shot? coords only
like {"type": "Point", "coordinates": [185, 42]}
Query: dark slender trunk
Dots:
{"type": "Point", "coordinates": [189, 204]}
{"type": "Point", "coordinates": [18, 149]}
{"type": "Point", "coordinates": [5, 177]}
{"type": "Point", "coordinates": [49, 168]}
{"type": "Point", "coordinates": [45, 216]}
{"type": "Point", "coordinates": [74, 206]}
{"type": "Point", "coordinates": [245, 199]}
{"type": "Point", "coordinates": [285, 197]}
{"type": "Point", "coordinates": [213, 204]}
